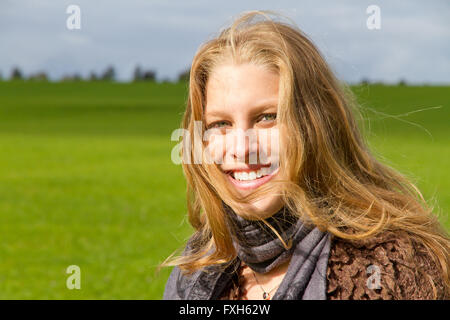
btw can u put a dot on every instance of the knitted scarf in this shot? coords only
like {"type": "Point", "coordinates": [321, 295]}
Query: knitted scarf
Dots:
{"type": "Point", "coordinates": [258, 246]}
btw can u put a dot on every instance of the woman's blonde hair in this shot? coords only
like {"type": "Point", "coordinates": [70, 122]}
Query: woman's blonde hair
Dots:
{"type": "Point", "coordinates": [332, 179]}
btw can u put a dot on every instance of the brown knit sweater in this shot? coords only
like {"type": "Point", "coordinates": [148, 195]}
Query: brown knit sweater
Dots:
{"type": "Point", "coordinates": [389, 266]}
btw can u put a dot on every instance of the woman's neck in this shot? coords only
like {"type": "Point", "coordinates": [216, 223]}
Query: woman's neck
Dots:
{"type": "Point", "coordinates": [256, 284]}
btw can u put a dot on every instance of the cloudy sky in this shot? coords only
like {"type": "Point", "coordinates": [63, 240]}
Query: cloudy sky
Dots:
{"type": "Point", "coordinates": [413, 42]}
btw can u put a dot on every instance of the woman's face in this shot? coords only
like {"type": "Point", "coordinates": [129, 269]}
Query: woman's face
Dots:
{"type": "Point", "coordinates": [240, 116]}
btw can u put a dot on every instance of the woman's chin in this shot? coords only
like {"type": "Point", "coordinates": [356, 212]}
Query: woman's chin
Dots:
{"type": "Point", "coordinates": [260, 209]}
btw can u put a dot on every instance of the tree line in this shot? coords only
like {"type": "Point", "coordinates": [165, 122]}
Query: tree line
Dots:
{"type": "Point", "coordinates": [109, 74]}
{"type": "Point", "coordinates": [139, 74]}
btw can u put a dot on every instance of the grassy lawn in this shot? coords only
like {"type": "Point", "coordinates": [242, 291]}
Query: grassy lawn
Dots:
{"type": "Point", "coordinates": [86, 179]}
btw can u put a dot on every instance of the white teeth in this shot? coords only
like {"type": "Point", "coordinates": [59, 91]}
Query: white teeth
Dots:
{"type": "Point", "coordinates": [251, 175]}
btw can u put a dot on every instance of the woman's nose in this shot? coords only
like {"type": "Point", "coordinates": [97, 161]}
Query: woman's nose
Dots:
{"type": "Point", "coordinates": [244, 145]}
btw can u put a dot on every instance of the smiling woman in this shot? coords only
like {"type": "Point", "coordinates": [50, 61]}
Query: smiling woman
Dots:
{"type": "Point", "coordinates": [243, 99]}
{"type": "Point", "coordinates": [294, 205]}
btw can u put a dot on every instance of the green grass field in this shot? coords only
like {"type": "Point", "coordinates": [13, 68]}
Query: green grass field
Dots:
{"type": "Point", "coordinates": [86, 179]}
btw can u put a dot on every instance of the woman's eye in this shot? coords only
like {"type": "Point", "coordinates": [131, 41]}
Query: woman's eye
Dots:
{"type": "Point", "coordinates": [269, 117]}
{"type": "Point", "coordinates": [217, 124]}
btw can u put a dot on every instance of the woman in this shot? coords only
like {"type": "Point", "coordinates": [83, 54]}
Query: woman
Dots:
{"type": "Point", "coordinates": [286, 200]}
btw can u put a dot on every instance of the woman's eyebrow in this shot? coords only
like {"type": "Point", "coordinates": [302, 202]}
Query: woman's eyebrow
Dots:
{"type": "Point", "coordinates": [256, 109]}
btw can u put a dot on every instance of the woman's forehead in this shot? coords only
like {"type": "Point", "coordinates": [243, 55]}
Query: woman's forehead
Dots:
{"type": "Point", "coordinates": [232, 88]}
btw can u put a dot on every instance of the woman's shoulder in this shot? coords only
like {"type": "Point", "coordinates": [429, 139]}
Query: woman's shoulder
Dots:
{"type": "Point", "coordinates": [390, 265]}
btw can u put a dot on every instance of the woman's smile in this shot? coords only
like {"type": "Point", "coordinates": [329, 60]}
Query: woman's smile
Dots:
{"type": "Point", "coordinates": [251, 177]}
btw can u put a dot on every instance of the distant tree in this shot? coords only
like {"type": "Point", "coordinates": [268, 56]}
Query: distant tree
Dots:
{"type": "Point", "coordinates": [137, 74]}
{"type": "Point", "coordinates": [16, 74]}
{"type": "Point", "coordinates": [38, 76]}
{"type": "Point", "coordinates": [93, 76]}
{"type": "Point", "coordinates": [184, 76]}
{"type": "Point", "coordinates": [149, 75]}
{"type": "Point", "coordinates": [143, 75]}
{"type": "Point", "coordinates": [365, 81]}
{"type": "Point", "coordinates": [109, 74]}
{"type": "Point", "coordinates": [1, 76]}
{"type": "Point", "coordinates": [402, 82]}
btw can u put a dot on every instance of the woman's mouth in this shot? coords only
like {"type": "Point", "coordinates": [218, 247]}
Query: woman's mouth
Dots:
{"type": "Point", "coordinates": [247, 179]}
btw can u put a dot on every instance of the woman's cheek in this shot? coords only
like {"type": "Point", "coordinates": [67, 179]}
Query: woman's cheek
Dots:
{"type": "Point", "coordinates": [269, 146]}
{"type": "Point", "coordinates": [214, 148]}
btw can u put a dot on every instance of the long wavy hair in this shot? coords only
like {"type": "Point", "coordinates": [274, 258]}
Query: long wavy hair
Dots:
{"type": "Point", "coordinates": [332, 180]}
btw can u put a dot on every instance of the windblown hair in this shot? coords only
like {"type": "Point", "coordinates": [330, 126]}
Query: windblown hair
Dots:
{"type": "Point", "coordinates": [332, 179]}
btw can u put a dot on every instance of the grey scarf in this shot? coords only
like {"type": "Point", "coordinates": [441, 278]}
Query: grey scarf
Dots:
{"type": "Point", "coordinates": [257, 246]}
